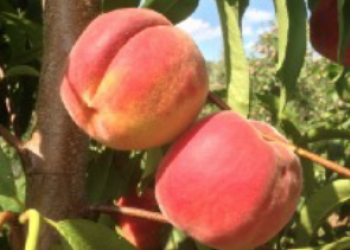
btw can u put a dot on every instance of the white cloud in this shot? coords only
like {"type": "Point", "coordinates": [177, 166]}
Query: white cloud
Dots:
{"type": "Point", "coordinates": [249, 45]}
{"type": "Point", "coordinates": [247, 30]}
{"type": "Point", "coordinates": [199, 29]}
{"type": "Point", "coordinates": [257, 16]}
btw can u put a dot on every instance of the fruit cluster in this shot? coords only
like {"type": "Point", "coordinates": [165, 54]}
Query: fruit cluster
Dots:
{"type": "Point", "coordinates": [134, 81]}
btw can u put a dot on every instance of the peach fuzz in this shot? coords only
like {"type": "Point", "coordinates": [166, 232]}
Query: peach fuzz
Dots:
{"type": "Point", "coordinates": [133, 80]}
{"type": "Point", "coordinates": [324, 31]}
{"type": "Point", "coordinates": [142, 233]}
{"type": "Point", "coordinates": [226, 186]}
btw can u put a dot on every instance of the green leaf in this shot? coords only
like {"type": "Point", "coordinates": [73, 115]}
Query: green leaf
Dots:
{"type": "Point", "coordinates": [318, 207]}
{"type": "Point", "coordinates": [10, 204]}
{"type": "Point", "coordinates": [270, 102]}
{"type": "Point", "coordinates": [153, 158]}
{"type": "Point", "coordinates": [110, 174]}
{"type": "Point", "coordinates": [26, 56]}
{"type": "Point", "coordinates": [99, 171]}
{"type": "Point", "coordinates": [344, 28]}
{"type": "Point", "coordinates": [236, 63]}
{"type": "Point", "coordinates": [86, 235]}
{"type": "Point", "coordinates": [174, 10]}
{"type": "Point", "coordinates": [202, 247]}
{"type": "Point", "coordinates": [342, 86]}
{"type": "Point", "coordinates": [32, 30]}
{"type": "Point", "coordinates": [22, 70]}
{"type": "Point", "coordinates": [291, 17]}
{"type": "Point", "coordinates": [179, 241]}
{"type": "Point", "coordinates": [108, 5]}
{"type": "Point", "coordinates": [21, 34]}
{"type": "Point", "coordinates": [7, 183]}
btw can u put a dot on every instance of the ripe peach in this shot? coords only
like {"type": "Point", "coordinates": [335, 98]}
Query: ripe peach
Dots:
{"type": "Point", "coordinates": [133, 80]}
{"type": "Point", "coordinates": [226, 186]}
{"type": "Point", "coordinates": [142, 233]}
{"type": "Point", "coordinates": [324, 31]}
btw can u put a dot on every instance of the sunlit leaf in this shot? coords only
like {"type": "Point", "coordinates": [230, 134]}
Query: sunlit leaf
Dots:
{"type": "Point", "coordinates": [291, 17]}
{"type": "Point", "coordinates": [86, 235]}
{"type": "Point", "coordinates": [237, 72]}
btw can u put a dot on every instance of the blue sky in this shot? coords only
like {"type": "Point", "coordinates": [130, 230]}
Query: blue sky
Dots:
{"type": "Point", "coordinates": [204, 26]}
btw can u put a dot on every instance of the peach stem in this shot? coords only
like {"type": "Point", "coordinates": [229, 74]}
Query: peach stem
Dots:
{"type": "Point", "coordinates": [135, 212]}
{"type": "Point", "coordinates": [299, 151]}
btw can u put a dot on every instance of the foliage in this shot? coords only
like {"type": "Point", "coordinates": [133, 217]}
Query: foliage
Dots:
{"type": "Point", "coordinates": [296, 90]}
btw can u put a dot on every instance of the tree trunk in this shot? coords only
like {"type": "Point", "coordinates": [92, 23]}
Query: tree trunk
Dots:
{"type": "Point", "coordinates": [58, 149]}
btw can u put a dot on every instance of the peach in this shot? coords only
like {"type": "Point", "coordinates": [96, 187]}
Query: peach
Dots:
{"type": "Point", "coordinates": [226, 186]}
{"type": "Point", "coordinates": [142, 233]}
{"type": "Point", "coordinates": [133, 80]}
{"type": "Point", "coordinates": [324, 31]}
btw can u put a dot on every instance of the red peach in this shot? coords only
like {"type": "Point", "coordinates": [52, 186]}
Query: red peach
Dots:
{"type": "Point", "coordinates": [142, 233]}
{"type": "Point", "coordinates": [133, 80]}
{"type": "Point", "coordinates": [324, 30]}
{"type": "Point", "coordinates": [226, 186]}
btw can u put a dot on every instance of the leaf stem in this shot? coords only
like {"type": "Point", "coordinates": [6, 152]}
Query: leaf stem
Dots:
{"type": "Point", "coordinates": [299, 151]}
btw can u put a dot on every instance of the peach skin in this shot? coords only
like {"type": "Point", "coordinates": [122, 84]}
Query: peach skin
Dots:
{"type": "Point", "coordinates": [226, 186]}
{"type": "Point", "coordinates": [133, 80]}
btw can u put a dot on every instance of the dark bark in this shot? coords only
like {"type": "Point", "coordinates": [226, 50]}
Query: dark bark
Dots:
{"type": "Point", "coordinates": [58, 149]}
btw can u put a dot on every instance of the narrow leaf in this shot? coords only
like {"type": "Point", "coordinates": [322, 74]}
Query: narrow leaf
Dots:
{"type": "Point", "coordinates": [236, 63]}
{"type": "Point", "coordinates": [86, 235]}
{"type": "Point", "coordinates": [291, 17]}
{"type": "Point", "coordinates": [344, 30]}
{"type": "Point", "coordinates": [318, 207]}
{"type": "Point", "coordinates": [342, 86]}
{"type": "Point", "coordinates": [174, 10]}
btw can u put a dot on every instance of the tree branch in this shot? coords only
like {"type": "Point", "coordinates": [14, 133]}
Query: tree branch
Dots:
{"type": "Point", "coordinates": [14, 142]}
{"type": "Point", "coordinates": [58, 149]}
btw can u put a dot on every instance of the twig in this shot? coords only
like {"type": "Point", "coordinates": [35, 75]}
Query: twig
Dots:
{"type": "Point", "coordinates": [7, 217]}
{"type": "Point", "coordinates": [15, 143]}
{"type": "Point", "coordinates": [299, 151]}
{"type": "Point", "coordinates": [135, 212]}
{"type": "Point", "coordinates": [16, 236]}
